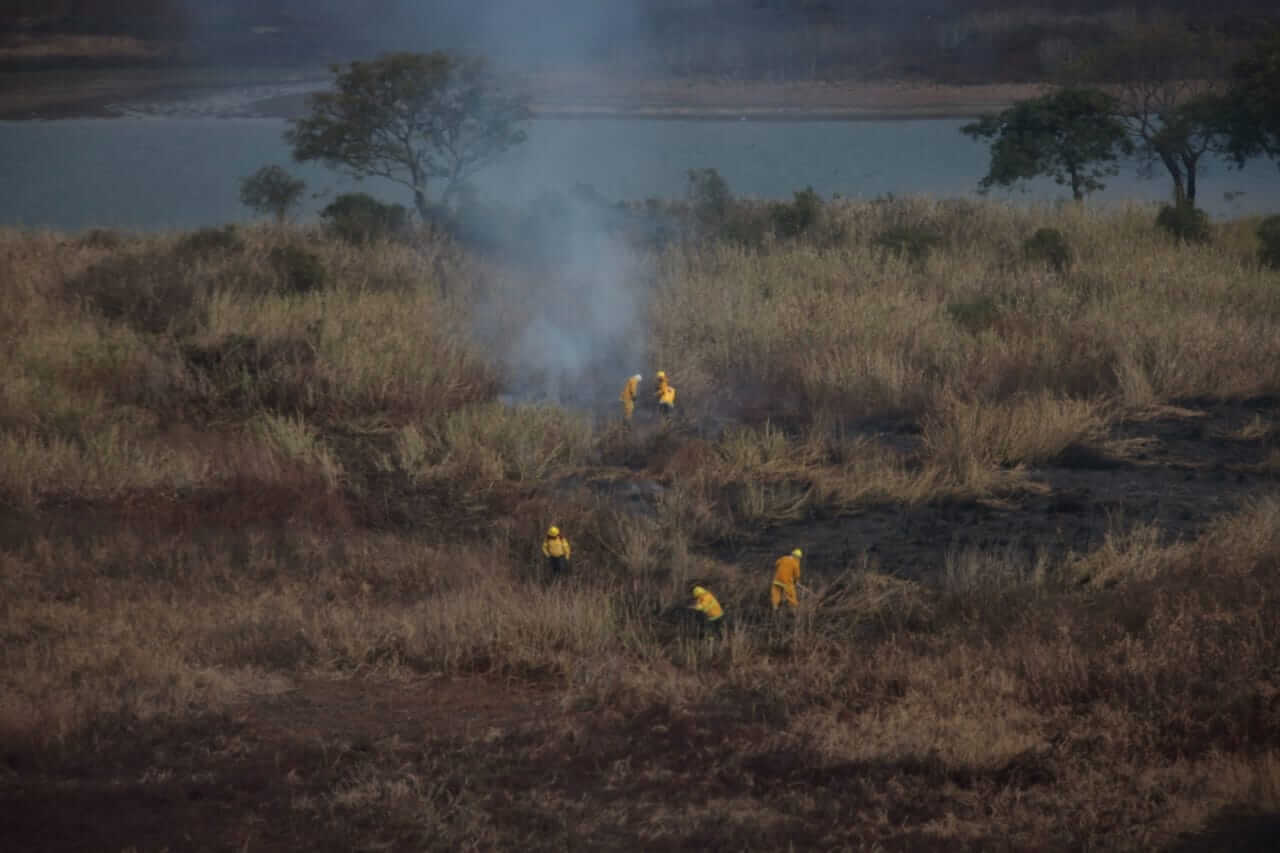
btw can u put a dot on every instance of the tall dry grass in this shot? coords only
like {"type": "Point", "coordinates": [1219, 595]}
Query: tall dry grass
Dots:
{"type": "Point", "coordinates": [221, 474]}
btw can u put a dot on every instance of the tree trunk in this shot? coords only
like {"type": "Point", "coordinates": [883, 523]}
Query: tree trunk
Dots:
{"type": "Point", "coordinates": [420, 202]}
{"type": "Point", "coordinates": [1175, 171]}
{"type": "Point", "coordinates": [1189, 162]}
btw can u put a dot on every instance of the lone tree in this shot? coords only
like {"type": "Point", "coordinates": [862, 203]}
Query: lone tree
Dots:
{"type": "Point", "coordinates": [1168, 81]}
{"type": "Point", "coordinates": [414, 119]}
{"type": "Point", "coordinates": [1072, 136]}
{"type": "Point", "coordinates": [272, 190]}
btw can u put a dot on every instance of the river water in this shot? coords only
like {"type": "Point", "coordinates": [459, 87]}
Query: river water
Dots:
{"type": "Point", "coordinates": [173, 173]}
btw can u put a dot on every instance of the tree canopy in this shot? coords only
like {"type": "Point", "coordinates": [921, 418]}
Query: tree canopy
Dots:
{"type": "Point", "coordinates": [416, 119]}
{"type": "Point", "coordinates": [1072, 136]}
{"type": "Point", "coordinates": [1253, 123]}
{"type": "Point", "coordinates": [1168, 81]}
{"type": "Point", "coordinates": [272, 190]}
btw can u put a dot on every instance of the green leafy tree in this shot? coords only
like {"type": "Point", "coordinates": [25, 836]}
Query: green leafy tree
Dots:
{"type": "Point", "coordinates": [1168, 81]}
{"type": "Point", "coordinates": [415, 119]}
{"type": "Point", "coordinates": [1253, 101]}
{"type": "Point", "coordinates": [272, 190]}
{"type": "Point", "coordinates": [1072, 136]}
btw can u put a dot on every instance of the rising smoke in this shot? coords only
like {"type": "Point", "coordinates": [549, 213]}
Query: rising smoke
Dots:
{"type": "Point", "coordinates": [576, 328]}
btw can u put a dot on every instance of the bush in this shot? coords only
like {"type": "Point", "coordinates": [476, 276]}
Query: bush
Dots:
{"type": "Point", "coordinates": [300, 271]}
{"type": "Point", "coordinates": [208, 241]}
{"type": "Point", "coordinates": [272, 190]}
{"type": "Point", "coordinates": [1269, 236]}
{"type": "Point", "coordinates": [102, 238]}
{"type": "Point", "coordinates": [361, 218]}
{"type": "Point", "coordinates": [145, 292]}
{"type": "Point", "coordinates": [1185, 223]}
{"type": "Point", "coordinates": [792, 220]}
{"type": "Point", "coordinates": [710, 199]}
{"type": "Point", "coordinates": [913, 241]}
{"type": "Point", "coordinates": [1048, 246]}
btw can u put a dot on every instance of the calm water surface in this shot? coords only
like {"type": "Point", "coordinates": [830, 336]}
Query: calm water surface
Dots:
{"type": "Point", "coordinates": [181, 173]}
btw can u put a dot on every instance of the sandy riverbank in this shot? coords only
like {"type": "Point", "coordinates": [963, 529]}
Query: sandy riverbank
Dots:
{"type": "Point", "coordinates": [270, 93]}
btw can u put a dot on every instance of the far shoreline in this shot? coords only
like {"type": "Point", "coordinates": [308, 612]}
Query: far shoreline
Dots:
{"type": "Point", "coordinates": [228, 93]}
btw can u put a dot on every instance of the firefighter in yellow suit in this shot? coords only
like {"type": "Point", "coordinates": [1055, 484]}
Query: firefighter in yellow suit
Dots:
{"type": "Point", "coordinates": [712, 613]}
{"type": "Point", "coordinates": [628, 396]}
{"type": "Point", "coordinates": [665, 394]}
{"type": "Point", "coordinates": [786, 574]}
{"type": "Point", "coordinates": [556, 549]}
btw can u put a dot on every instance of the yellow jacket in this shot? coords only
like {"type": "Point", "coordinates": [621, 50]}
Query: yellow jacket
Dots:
{"type": "Point", "coordinates": [667, 394]}
{"type": "Point", "coordinates": [786, 572]}
{"type": "Point", "coordinates": [708, 606]}
{"type": "Point", "coordinates": [629, 390]}
{"type": "Point", "coordinates": [555, 546]}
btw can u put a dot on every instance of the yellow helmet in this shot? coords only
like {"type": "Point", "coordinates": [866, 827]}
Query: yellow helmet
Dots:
{"type": "Point", "coordinates": [661, 374]}
{"type": "Point", "coordinates": [553, 531]}
{"type": "Point", "coordinates": [797, 553]}
{"type": "Point", "coordinates": [698, 590]}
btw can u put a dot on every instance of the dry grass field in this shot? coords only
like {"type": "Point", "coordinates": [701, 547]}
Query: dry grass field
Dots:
{"type": "Point", "coordinates": [269, 528]}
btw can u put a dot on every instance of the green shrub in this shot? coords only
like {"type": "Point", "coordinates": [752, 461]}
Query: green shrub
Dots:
{"type": "Point", "coordinates": [710, 199]}
{"type": "Point", "coordinates": [272, 190]}
{"type": "Point", "coordinates": [361, 218]}
{"type": "Point", "coordinates": [747, 225]}
{"type": "Point", "coordinates": [1048, 246]}
{"type": "Point", "coordinates": [208, 241]}
{"type": "Point", "coordinates": [1185, 223]}
{"type": "Point", "coordinates": [915, 241]}
{"type": "Point", "coordinates": [794, 219]}
{"type": "Point", "coordinates": [300, 271]}
{"type": "Point", "coordinates": [1269, 236]}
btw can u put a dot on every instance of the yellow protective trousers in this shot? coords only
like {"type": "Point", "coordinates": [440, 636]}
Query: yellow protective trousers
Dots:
{"type": "Point", "coordinates": [778, 590]}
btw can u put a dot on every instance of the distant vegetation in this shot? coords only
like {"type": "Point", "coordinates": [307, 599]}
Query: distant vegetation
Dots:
{"type": "Point", "coordinates": [964, 42]}
{"type": "Point", "coordinates": [1177, 99]}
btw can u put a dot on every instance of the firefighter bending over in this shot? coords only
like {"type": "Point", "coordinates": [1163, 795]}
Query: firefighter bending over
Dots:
{"type": "Point", "coordinates": [712, 613]}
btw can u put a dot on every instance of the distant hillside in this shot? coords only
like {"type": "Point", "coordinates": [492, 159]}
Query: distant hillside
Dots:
{"type": "Point", "coordinates": [951, 41]}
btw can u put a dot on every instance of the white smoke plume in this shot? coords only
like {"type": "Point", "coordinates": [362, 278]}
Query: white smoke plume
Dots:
{"type": "Point", "coordinates": [584, 321]}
